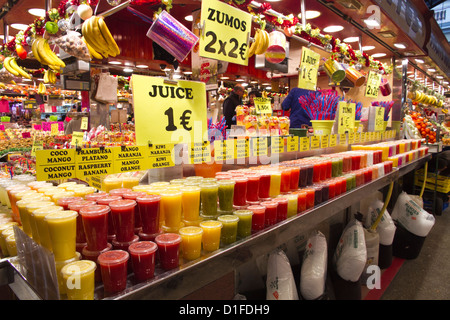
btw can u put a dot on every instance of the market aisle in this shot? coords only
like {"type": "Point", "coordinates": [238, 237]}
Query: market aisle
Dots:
{"type": "Point", "coordinates": [427, 276]}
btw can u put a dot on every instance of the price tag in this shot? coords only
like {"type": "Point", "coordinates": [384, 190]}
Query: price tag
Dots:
{"type": "Point", "coordinates": [37, 145]}
{"type": "Point", "coordinates": [200, 152]}
{"type": "Point", "coordinates": [77, 138]}
{"type": "Point", "coordinates": [309, 66]}
{"type": "Point", "coordinates": [94, 162]}
{"type": "Point", "coordinates": [95, 181]}
{"type": "Point", "coordinates": [357, 137]}
{"type": "Point", "coordinates": [84, 123]}
{"type": "Point", "coordinates": [259, 146]}
{"type": "Point", "coordinates": [351, 137]}
{"type": "Point", "coordinates": [160, 156]}
{"type": "Point", "coordinates": [224, 150]}
{"type": "Point", "coordinates": [180, 115]}
{"type": "Point", "coordinates": [130, 158]}
{"type": "Point", "coordinates": [343, 139]}
{"type": "Point", "coordinates": [55, 164]}
{"type": "Point", "coordinates": [226, 32]}
{"type": "Point", "coordinates": [2, 127]}
{"type": "Point", "coordinates": [379, 118]}
{"type": "Point", "coordinates": [242, 148]}
{"type": "Point", "coordinates": [324, 141]}
{"type": "Point", "coordinates": [292, 144]}
{"type": "Point", "coordinates": [37, 127]}
{"type": "Point", "coordinates": [333, 140]}
{"type": "Point", "coordinates": [304, 143]}
{"type": "Point", "coordinates": [277, 145]}
{"type": "Point", "coordinates": [346, 120]}
{"type": "Point", "coordinates": [315, 142]}
{"type": "Point", "coordinates": [54, 131]}
{"type": "Point", "coordinates": [263, 105]}
{"type": "Point", "coordinates": [373, 84]}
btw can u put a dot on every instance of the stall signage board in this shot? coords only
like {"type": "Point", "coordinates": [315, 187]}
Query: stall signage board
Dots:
{"type": "Point", "coordinates": [130, 158]}
{"type": "Point", "coordinates": [225, 32]}
{"type": "Point", "coordinates": [346, 121]}
{"type": "Point", "coordinates": [161, 156]}
{"type": "Point", "coordinates": [304, 143]}
{"type": "Point", "coordinates": [309, 66]}
{"type": "Point", "coordinates": [373, 84]}
{"type": "Point", "coordinates": [55, 164]}
{"type": "Point", "coordinates": [324, 140]}
{"type": "Point", "coordinates": [343, 139]}
{"type": "Point", "coordinates": [224, 150]}
{"type": "Point", "coordinates": [277, 145]}
{"type": "Point", "coordinates": [259, 146]}
{"type": "Point", "coordinates": [379, 118]}
{"type": "Point", "coordinates": [242, 148]}
{"type": "Point", "coordinates": [167, 112]}
{"type": "Point", "coordinates": [200, 152]}
{"type": "Point", "coordinates": [292, 144]}
{"type": "Point", "coordinates": [315, 142]}
{"type": "Point", "coordinates": [94, 162]}
{"type": "Point", "coordinates": [333, 140]}
{"type": "Point", "coordinates": [263, 105]}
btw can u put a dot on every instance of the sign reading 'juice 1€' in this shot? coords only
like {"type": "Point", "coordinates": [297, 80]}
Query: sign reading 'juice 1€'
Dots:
{"type": "Point", "coordinates": [168, 113]}
{"type": "Point", "coordinates": [225, 33]}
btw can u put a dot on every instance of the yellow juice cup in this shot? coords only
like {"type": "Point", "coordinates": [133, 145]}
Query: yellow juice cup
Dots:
{"type": "Point", "coordinates": [63, 194]}
{"type": "Point", "coordinates": [79, 279]}
{"type": "Point", "coordinates": [59, 265]}
{"type": "Point", "coordinates": [11, 245]}
{"type": "Point", "coordinates": [29, 208]}
{"type": "Point", "coordinates": [275, 184]}
{"type": "Point", "coordinates": [111, 184]}
{"type": "Point", "coordinates": [82, 192]}
{"type": "Point", "coordinates": [211, 234]}
{"type": "Point", "coordinates": [74, 187]}
{"type": "Point", "coordinates": [3, 235]}
{"type": "Point", "coordinates": [160, 184]}
{"type": "Point", "coordinates": [191, 242]}
{"type": "Point", "coordinates": [292, 204]}
{"type": "Point", "coordinates": [191, 203]}
{"type": "Point", "coordinates": [13, 198]}
{"type": "Point", "coordinates": [130, 182]}
{"type": "Point", "coordinates": [39, 228]}
{"type": "Point", "coordinates": [62, 226]}
{"type": "Point", "coordinates": [47, 189]}
{"type": "Point", "coordinates": [170, 210]}
{"type": "Point", "coordinates": [141, 188]}
{"type": "Point", "coordinates": [64, 185]}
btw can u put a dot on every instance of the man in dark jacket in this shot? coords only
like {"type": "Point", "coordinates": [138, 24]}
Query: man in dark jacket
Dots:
{"type": "Point", "coordinates": [297, 115]}
{"type": "Point", "coordinates": [230, 104]}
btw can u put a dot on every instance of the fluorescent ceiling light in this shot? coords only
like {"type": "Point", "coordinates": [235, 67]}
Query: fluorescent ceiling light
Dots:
{"type": "Point", "coordinates": [240, 80]}
{"type": "Point", "coordinates": [9, 37]}
{"type": "Point", "coordinates": [331, 29]}
{"type": "Point", "coordinates": [224, 78]}
{"type": "Point", "coordinates": [127, 70]}
{"type": "Point", "coordinates": [310, 14]}
{"type": "Point", "coordinates": [141, 66]}
{"type": "Point", "coordinates": [419, 60]}
{"type": "Point", "coordinates": [399, 45]}
{"type": "Point", "coordinates": [439, 77]}
{"type": "Point", "coordinates": [378, 55]}
{"type": "Point", "coordinates": [19, 26]}
{"type": "Point", "coordinates": [351, 39]}
{"type": "Point", "coordinates": [367, 48]}
{"type": "Point", "coordinates": [187, 72]}
{"type": "Point", "coordinates": [371, 23]}
{"type": "Point", "coordinates": [115, 62]}
{"type": "Point", "coordinates": [244, 84]}
{"type": "Point", "coordinates": [431, 70]}
{"type": "Point", "coordinates": [189, 18]}
{"type": "Point", "coordinates": [37, 12]}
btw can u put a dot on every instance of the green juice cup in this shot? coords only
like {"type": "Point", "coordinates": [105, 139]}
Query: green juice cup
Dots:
{"type": "Point", "coordinates": [244, 228]}
{"type": "Point", "coordinates": [229, 228]}
{"type": "Point", "coordinates": [209, 195]}
{"type": "Point", "coordinates": [226, 194]}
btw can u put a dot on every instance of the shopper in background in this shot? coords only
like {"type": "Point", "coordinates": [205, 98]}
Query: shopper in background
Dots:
{"type": "Point", "coordinates": [254, 93]}
{"type": "Point", "coordinates": [297, 116]}
{"type": "Point", "coordinates": [75, 123]}
{"type": "Point", "coordinates": [230, 104]}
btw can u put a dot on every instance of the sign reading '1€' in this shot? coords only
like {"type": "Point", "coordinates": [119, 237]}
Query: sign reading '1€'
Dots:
{"type": "Point", "coordinates": [169, 113]}
{"type": "Point", "coordinates": [225, 33]}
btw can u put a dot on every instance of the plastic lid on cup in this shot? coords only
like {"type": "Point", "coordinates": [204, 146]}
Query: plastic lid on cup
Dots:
{"type": "Point", "coordinates": [257, 208]}
{"type": "Point", "coordinates": [61, 215]}
{"type": "Point", "coordinates": [78, 268]}
{"type": "Point", "coordinates": [168, 239]}
{"type": "Point", "coordinates": [66, 184]}
{"type": "Point", "coordinates": [190, 231]}
{"type": "Point", "coordinates": [7, 225]}
{"type": "Point", "coordinates": [280, 200]}
{"type": "Point", "coordinates": [133, 195]}
{"type": "Point", "coordinates": [119, 191]}
{"type": "Point", "coordinates": [228, 218]}
{"type": "Point", "coordinates": [243, 213]}
{"type": "Point", "coordinates": [190, 189]}
{"type": "Point", "coordinates": [77, 205]}
{"type": "Point", "coordinates": [113, 257]}
{"type": "Point", "coordinates": [122, 204]}
{"type": "Point", "coordinates": [170, 193]}
{"type": "Point", "coordinates": [67, 200]}
{"type": "Point", "coordinates": [148, 198]}
{"type": "Point", "coordinates": [142, 247]}
{"type": "Point", "coordinates": [94, 210]}
{"type": "Point", "coordinates": [96, 195]}
{"type": "Point", "coordinates": [38, 204]}
{"type": "Point", "coordinates": [211, 224]}
{"type": "Point", "coordinates": [108, 199]}
{"type": "Point", "coordinates": [42, 212]}
{"type": "Point", "coordinates": [226, 182]}
{"type": "Point", "coordinates": [209, 185]}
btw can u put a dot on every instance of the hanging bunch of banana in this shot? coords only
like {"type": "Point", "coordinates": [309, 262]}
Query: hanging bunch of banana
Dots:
{"type": "Point", "coordinates": [260, 43]}
{"type": "Point", "coordinates": [44, 54]}
{"type": "Point", "coordinates": [10, 64]}
{"type": "Point", "coordinates": [42, 90]}
{"type": "Point", "coordinates": [49, 76]}
{"type": "Point", "coordinates": [98, 38]}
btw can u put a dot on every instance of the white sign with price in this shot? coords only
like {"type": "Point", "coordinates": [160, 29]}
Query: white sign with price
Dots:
{"type": "Point", "coordinates": [225, 32]}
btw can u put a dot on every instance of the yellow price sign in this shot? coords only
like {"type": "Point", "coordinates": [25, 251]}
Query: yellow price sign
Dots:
{"type": "Point", "coordinates": [242, 147]}
{"type": "Point", "coordinates": [351, 137]}
{"type": "Point", "coordinates": [54, 129]}
{"type": "Point", "coordinates": [37, 145]}
{"type": "Point", "coordinates": [304, 143]}
{"type": "Point", "coordinates": [259, 146]}
{"type": "Point", "coordinates": [292, 144]}
{"type": "Point", "coordinates": [324, 141]}
{"type": "Point", "coordinates": [226, 32]}
{"type": "Point", "coordinates": [277, 145]}
{"type": "Point", "coordinates": [379, 118]}
{"type": "Point", "coordinates": [161, 156]}
{"type": "Point", "coordinates": [346, 120]}
{"type": "Point", "coordinates": [373, 84]}
{"type": "Point", "coordinates": [263, 105]}
{"type": "Point", "coordinates": [84, 123]}
{"type": "Point", "coordinates": [94, 162]}
{"type": "Point", "coordinates": [315, 142]}
{"type": "Point", "coordinates": [169, 113]}
{"type": "Point", "coordinates": [309, 66]}
{"type": "Point", "coordinates": [343, 139]}
{"type": "Point", "coordinates": [357, 137]}
{"type": "Point", "coordinates": [77, 138]}
{"type": "Point", "coordinates": [55, 164]}
{"type": "Point", "coordinates": [130, 158]}
{"type": "Point", "coordinates": [333, 140]}
{"type": "Point", "coordinates": [224, 150]}
{"type": "Point", "coordinates": [200, 152]}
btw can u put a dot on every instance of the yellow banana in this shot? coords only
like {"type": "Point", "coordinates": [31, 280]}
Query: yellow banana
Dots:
{"type": "Point", "coordinates": [99, 37]}
{"type": "Point", "coordinates": [92, 38]}
{"type": "Point", "coordinates": [107, 35]}
{"type": "Point", "coordinates": [56, 60]}
{"type": "Point", "coordinates": [34, 49]}
{"type": "Point", "coordinates": [22, 73]}
{"type": "Point", "coordinates": [260, 47]}
{"type": "Point", "coordinates": [46, 59]}
{"type": "Point", "coordinates": [252, 49]}
{"type": "Point", "coordinates": [8, 67]}
{"type": "Point", "coordinates": [94, 54]}
{"type": "Point", "coordinates": [266, 40]}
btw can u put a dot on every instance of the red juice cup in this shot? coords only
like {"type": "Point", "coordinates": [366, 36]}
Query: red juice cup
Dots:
{"type": "Point", "coordinates": [114, 269]}
{"type": "Point", "coordinates": [258, 218]}
{"type": "Point", "coordinates": [106, 201]}
{"type": "Point", "coordinates": [119, 192]}
{"type": "Point", "coordinates": [270, 216]}
{"type": "Point", "coordinates": [168, 250]}
{"type": "Point", "coordinates": [253, 187]}
{"type": "Point", "coordinates": [95, 225]}
{"type": "Point", "coordinates": [64, 202]}
{"type": "Point", "coordinates": [301, 201]}
{"type": "Point", "coordinates": [329, 166]}
{"type": "Point", "coordinates": [285, 185]}
{"type": "Point", "coordinates": [264, 186]}
{"type": "Point", "coordinates": [76, 206]}
{"type": "Point", "coordinates": [132, 195]}
{"type": "Point", "coordinates": [343, 183]}
{"type": "Point", "coordinates": [93, 256]}
{"type": "Point", "coordinates": [282, 209]}
{"type": "Point", "coordinates": [149, 206]}
{"type": "Point", "coordinates": [359, 177]}
{"type": "Point", "coordinates": [303, 176]}
{"type": "Point", "coordinates": [240, 191]}
{"type": "Point", "coordinates": [95, 196]}
{"type": "Point", "coordinates": [331, 188]}
{"type": "Point", "coordinates": [317, 167]}
{"type": "Point", "coordinates": [295, 178]}
{"type": "Point", "coordinates": [323, 170]}
{"type": "Point", "coordinates": [310, 194]}
{"type": "Point", "coordinates": [122, 212]}
{"type": "Point", "coordinates": [142, 255]}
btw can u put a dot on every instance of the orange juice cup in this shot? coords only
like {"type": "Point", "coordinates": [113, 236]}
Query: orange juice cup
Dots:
{"type": "Point", "coordinates": [62, 227]}
{"type": "Point", "coordinates": [191, 242]}
{"type": "Point", "coordinates": [79, 279]}
{"type": "Point", "coordinates": [211, 234]}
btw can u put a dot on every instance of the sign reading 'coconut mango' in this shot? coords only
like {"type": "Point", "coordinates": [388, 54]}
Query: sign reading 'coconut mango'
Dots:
{"type": "Point", "coordinates": [55, 164]}
{"type": "Point", "coordinates": [168, 113]}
